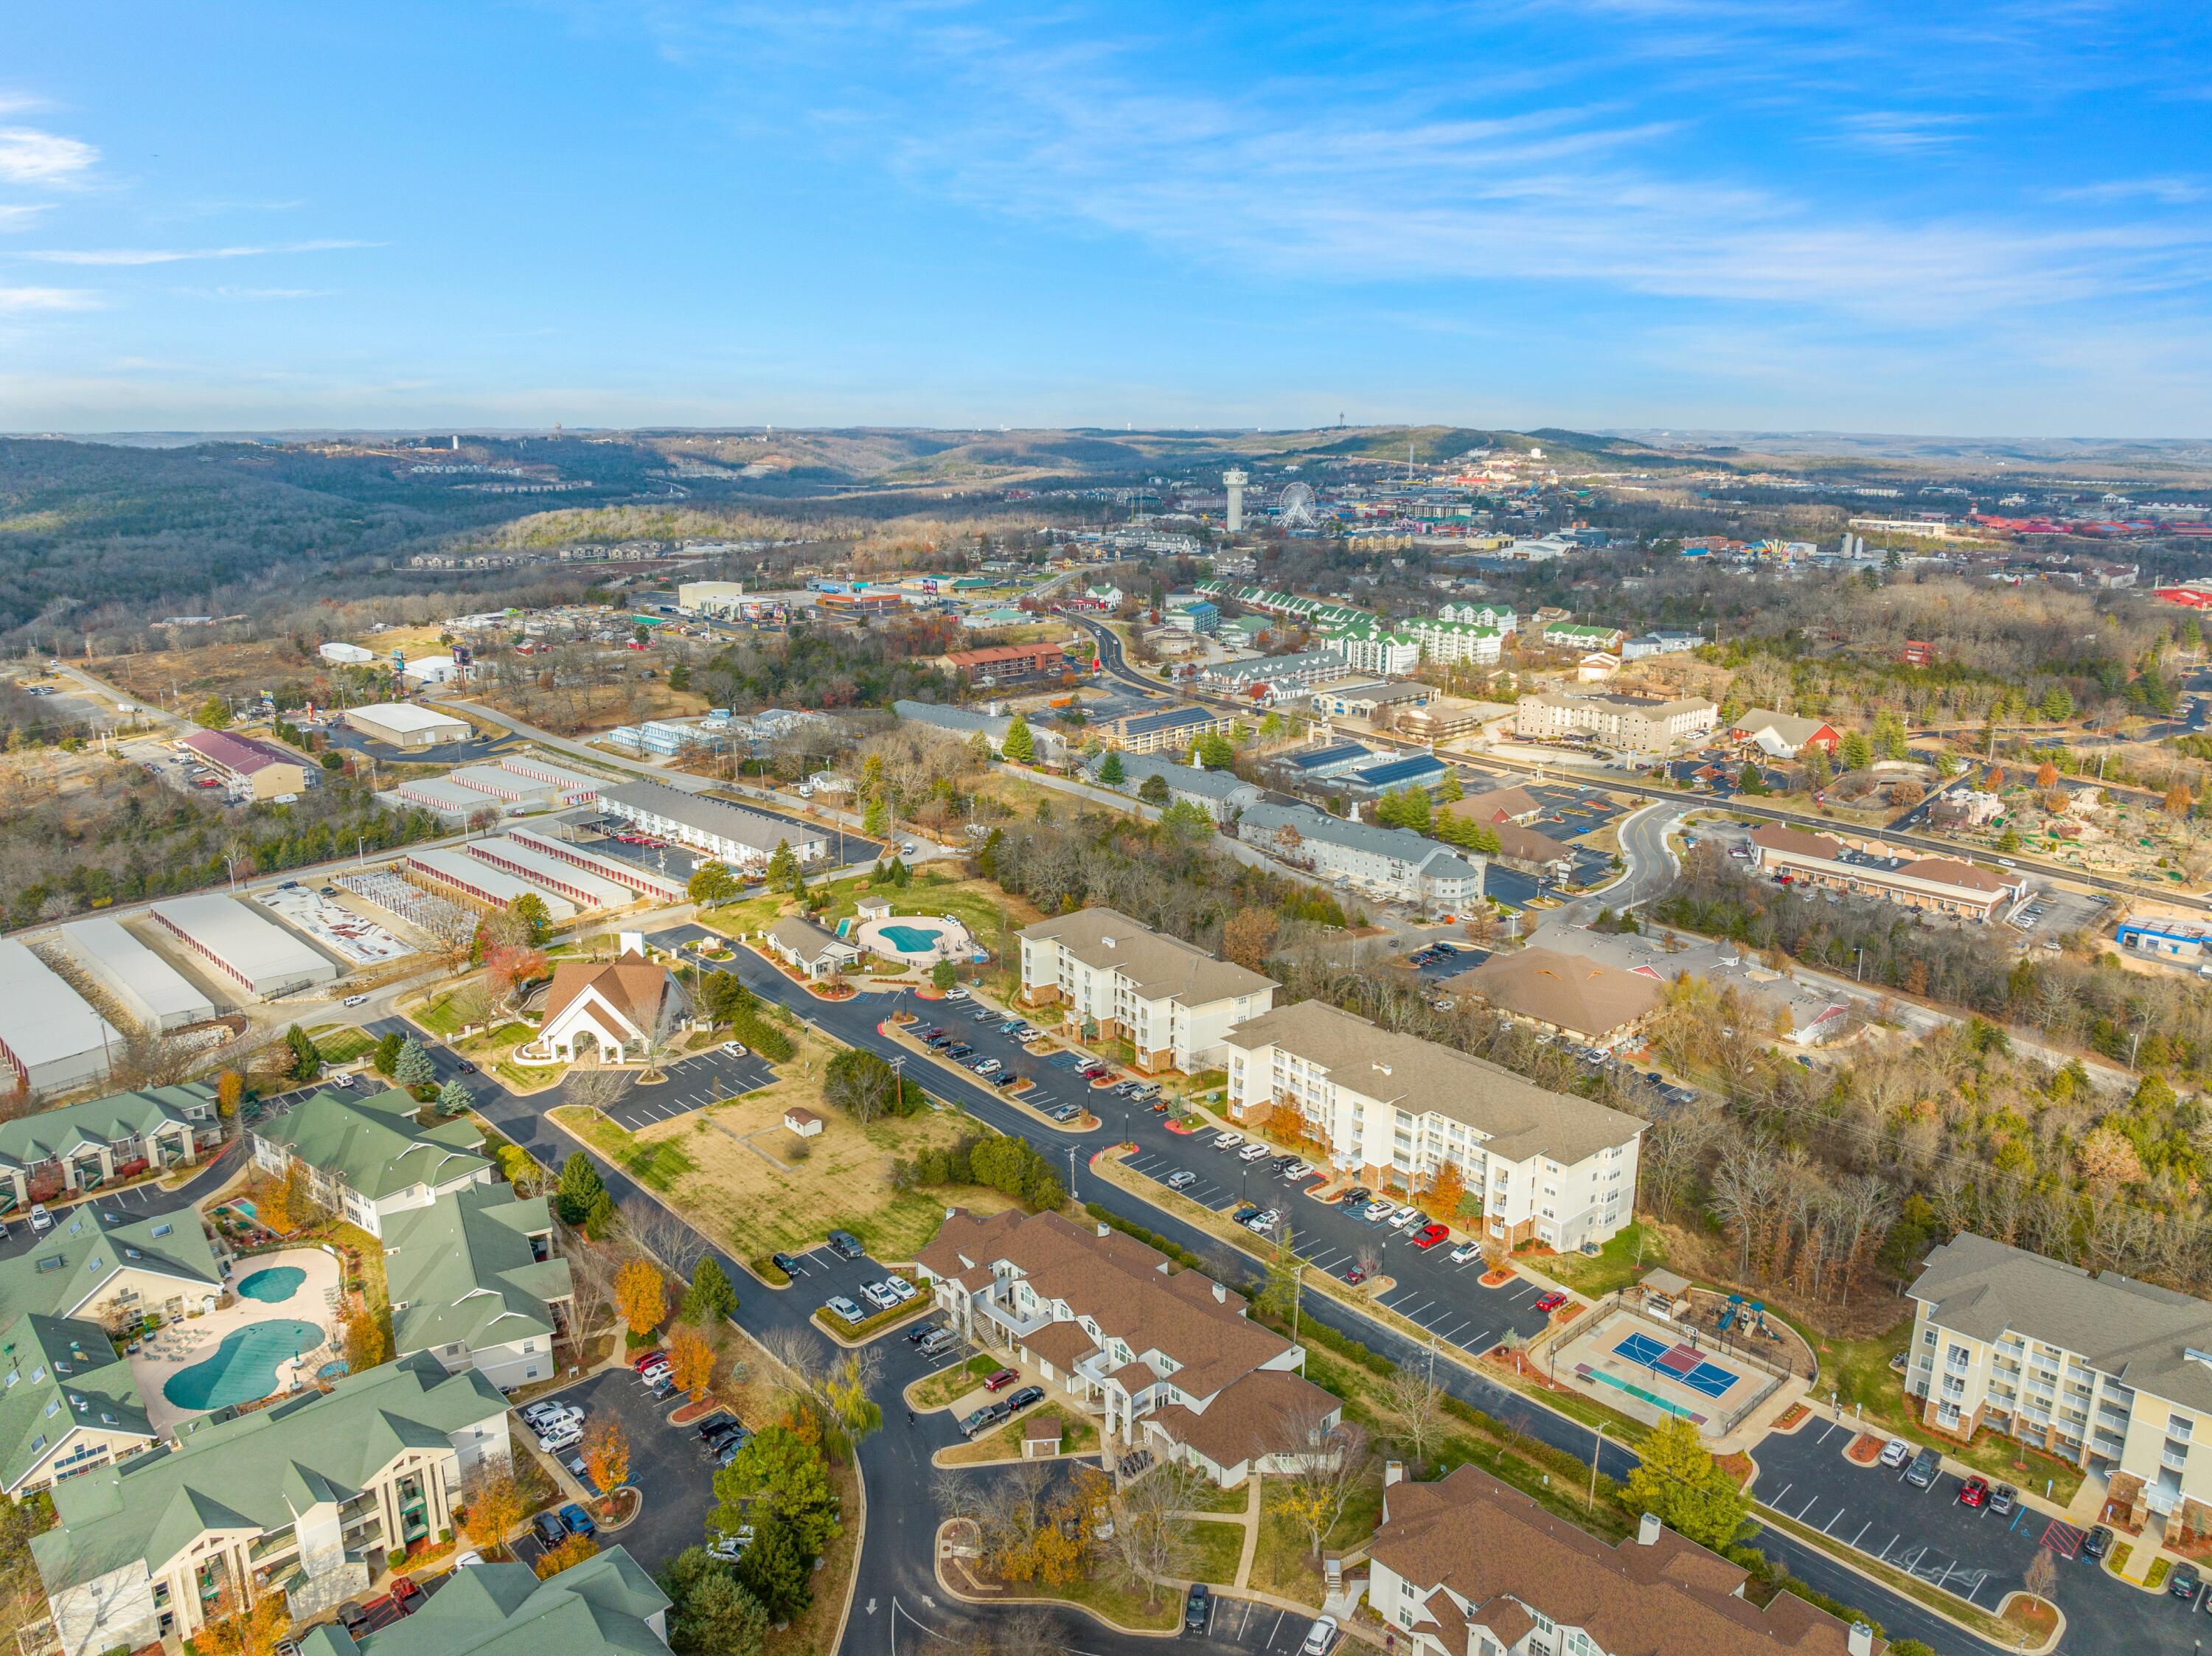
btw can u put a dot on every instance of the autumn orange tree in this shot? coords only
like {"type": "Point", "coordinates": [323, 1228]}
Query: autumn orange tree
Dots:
{"type": "Point", "coordinates": [492, 1505]}
{"type": "Point", "coordinates": [1447, 1190]}
{"type": "Point", "coordinates": [361, 1338]}
{"type": "Point", "coordinates": [229, 1090]}
{"type": "Point", "coordinates": [642, 1295]}
{"type": "Point", "coordinates": [573, 1551]}
{"type": "Point", "coordinates": [690, 1360]}
{"type": "Point", "coordinates": [606, 1452]}
{"type": "Point", "coordinates": [243, 1630]}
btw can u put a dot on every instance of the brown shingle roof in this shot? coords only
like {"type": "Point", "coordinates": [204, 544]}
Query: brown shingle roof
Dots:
{"type": "Point", "coordinates": [1063, 1344]}
{"type": "Point", "coordinates": [1580, 996]}
{"type": "Point", "coordinates": [1489, 1545]}
{"type": "Point", "coordinates": [1526, 845]}
{"type": "Point", "coordinates": [1256, 1416]}
{"type": "Point", "coordinates": [1498, 805]}
{"type": "Point", "coordinates": [1158, 965]}
{"type": "Point", "coordinates": [634, 987]}
{"type": "Point", "coordinates": [1795, 841]}
{"type": "Point", "coordinates": [1948, 870]}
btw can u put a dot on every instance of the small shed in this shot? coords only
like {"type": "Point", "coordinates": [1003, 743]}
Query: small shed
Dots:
{"type": "Point", "coordinates": [1041, 1435]}
{"type": "Point", "coordinates": [1665, 1293]}
{"type": "Point", "coordinates": [803, 1121]}
{"type": "Point", "coordinates": [873, 908]}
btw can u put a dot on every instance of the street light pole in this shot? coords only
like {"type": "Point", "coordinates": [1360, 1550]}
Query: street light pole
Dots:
{"type": "Point", "coordinates": [1597, 1451]}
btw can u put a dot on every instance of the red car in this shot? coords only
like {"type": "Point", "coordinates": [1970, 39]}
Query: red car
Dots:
{"type": "Point", "coordinates": [1430, 1235]}
{"type": "Point", "coordinates": [406, 1598]}
{"type": "Point", "coordinates": [1356, 1275]}
{"type": "Point", "coordinates": [1551, 1302]}
{"type": "Point", "coordinates": [647, 1360]}
{"type": "Point", "coordinates": [999, 1381]}
{"type": "Point", "coordinates": [1974, 1492]}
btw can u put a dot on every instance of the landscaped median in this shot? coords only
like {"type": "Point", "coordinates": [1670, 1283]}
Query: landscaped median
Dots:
{"type": "Point", "coordinates": [860, 1334]}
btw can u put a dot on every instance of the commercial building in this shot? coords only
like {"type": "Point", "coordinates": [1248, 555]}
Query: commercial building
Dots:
{"type": "Point", "coordinates": [966, 722]}
{"type": "Point", "coordinates": [612, 1010]}
{"type": "Point", "coordinates": [1938, 885]}
{"type": "Point", "coordinates": [1635, 723]}
{"type": "Point", "coordinates": [564, 879]}
{"type": "Point", "coordinates": [366, 1158]}
{"type": "Point", "coordinates": [147, 986]}
{"type": "Point", "coordinates": [1383, 699]}
{"type": "Point", "coordinates": [302, 1498]}
{"type": "Point", "coordinates": [1166, 729]}
{"type": "Point", "coordinates": [474, 1282]}
{"type": "Point", "coordinates": [1219, 794]}
{"type": "Point", "coordinates": [404, 725]}
{"type": "Point", "coordinates": [1424, 771]}
{"type": "Point", "coordinates": [1467, 1566]}
{"type": "Point", "coordinates": [259, 956]}
{"type": "Point", "coordinates": [483, 882]}
{"type": "Point", "coordinates": [1585, 1000]}
{"type": "Point", "coordinates": [1169, 1358]}
{"type": "Point", "coordinates": [742, 839]}
{"type": "Point", "coordinates": [1171, 1001]}
{"type": "Point", "coordinates": [345, 655]}
{"type": "Point", "coordinates": [51, 1039]}
{"type": "Point", "coordinates": [2187, 942]}
{"type": "Point", "coordinates": [1495, 805]}
{"type": "Point", "coordinates": [1395, 864]}
{"type": "Point", "coordinates": [709, 598]}
{"type": "Point", "coordinates": [1010, 664]}
{"type": "Point", "coordinates": [605, 1606]}
{"type": "Point", "coordinates": [1395, 1109]}
{"type": "Point", "coordinates": [1783, 736]}
{"type": "Point", "coordinates": [1318, 763]}
{"type": "Point", "coordinates": [1444, 718]}
{"type": "Point", "coordinates": [1188, 613]}
{"type": "Point", "coordinates": [255, 769]}
{"type": "Point", "coordinates": [1803, 1013]}
{"type": "Point", "coordinates": [1527, 851]}
{"type": "Point", "coordinates": [65, 1152]}
{"type": "Point", "coordinates": [2107, 1372]}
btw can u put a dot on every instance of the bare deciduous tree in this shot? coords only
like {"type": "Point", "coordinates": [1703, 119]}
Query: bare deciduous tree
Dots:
{"type": "Point", "coordinates": [1412, 1405]}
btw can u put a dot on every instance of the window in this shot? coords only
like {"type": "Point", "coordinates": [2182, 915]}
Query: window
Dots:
{"type": "Point", "coordinates": [162, 1229]}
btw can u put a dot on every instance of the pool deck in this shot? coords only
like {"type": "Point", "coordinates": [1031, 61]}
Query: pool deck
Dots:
{"type": "Point", "coordinates": [178, 1345]}
{"type": "Point", "coordinates": [950, 939]}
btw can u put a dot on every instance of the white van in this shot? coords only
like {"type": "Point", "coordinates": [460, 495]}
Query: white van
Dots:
{"type": "Point", "coordinates": [41, 1221]}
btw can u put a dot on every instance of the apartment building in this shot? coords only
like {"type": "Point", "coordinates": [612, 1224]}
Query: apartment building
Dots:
{"type": "Point", "coordinates": [82, 1147]}
{"type": "Point", "coordinates": [1373, 649]}
{"type": "Point", "coordinates": [1272, 679]}
{"type": "Point", "coordinates": [2111, 1373]}
{"type": "Point", "coordinates": [1219, 794]}
{"type": "Point", "coordinates": [1393, 1109]}
{"type": "Point", "coordinates": [305, 1497]}
{"type": "Point", "coordinates": [1660, 641]}
{"type": "Point", "coordinates": [1166, 729]}
{"type": "Point", "coordinates": [366, 1158]}
{"type": "Point", "coordinates": [474, 1282]}
{"type": "Point", "coordinates": [1937, 885]}
{"type": "Point", "coordinates": [1392, 864]}
{"type": "Point", "coordinates": [1010, 664]}
{"type": "Point", "coordinates": [1624, 721]}
{"type": "Point", "coordinates": [1171, 1001]}
{"type": "Point", "coordinates": [1573, 635]}
{"type": "Point", "coordinates": [1168, 1360]}
{"type": "Point", "coordinates": [254, 768]}
{"type": "Point", "coordinates": [1454, 642]}
{"type": "Point", "coordinates": [605, 1606]}
{"type": "Point", "coordinates": [966, 723]}
{"type": "Point", "coordinates": [1467, 1566]}
{"type": "Point", "coordinates": [1472, 612]}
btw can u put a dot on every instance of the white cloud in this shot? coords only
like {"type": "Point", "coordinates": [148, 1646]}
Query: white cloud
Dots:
{"type": "Point", "coordinates": [249, 294]}
{"type": "Point", "coordinates": [28, 156]}
{"type": "Point", "coordinates": [122, 256]}
{"type": "Point", "coordinates": [17, 216]}
{"type": "Point", "coordinates": [47, 299]}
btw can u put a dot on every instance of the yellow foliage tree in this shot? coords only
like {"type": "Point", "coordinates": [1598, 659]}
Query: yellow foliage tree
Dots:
{"type": "Point", "coordinates": [252, 1630]}
{"type": "Point", "coordinates": [642, 1295]}
{"type": "Point", "coordinates": [492, 1505]}
{"type": "Point", "coordinates": [606, 1452]}
{"type": "Point", "coordinates": [690, 1360]}
{"type": "Point", "coordinates": [229, 1090]}
{"type": "Point", "coordinates": [573, 1551]}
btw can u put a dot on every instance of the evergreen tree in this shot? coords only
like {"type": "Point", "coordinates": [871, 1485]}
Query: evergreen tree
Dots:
{"type": "Point", "coordinates": [580, 1186]}
{"type": "Point", "coordinates": [710, 1612]}
{"type": "Point", "coordinates": [1214, 751]}
{"type": "Point", "coordinates": [1020, 744]}
{"type": "Point", "coordinates": [1857, 751]}
{"type": "Point", "coordinates": [454, 1097]}
{"type": "Point", "coordinates": [1110, 768]}
{"type": "Point", "coordinates": [876, 819]}
{"type": "Point", "coordinates": [775, 1569]}
{"type": "Point", "coordinates": [1153, 789]}
{"type": "Point", "coordinates": [306, 1061]}
{"type": "Point", "coordinates": [782, 865]}
{"type": "Point", "coordinates": [385, 1058]}
{"type": "Point", "coordinates": [413, 1067]}
{"type": "Point", "coordinates": [1452, 788]}
{"type": "Point", "coordinates": [710, 1298]}
{"type": "Point", "coordinates": [533, 918]}
{"type": "Point", "coordinates": [679, 676]}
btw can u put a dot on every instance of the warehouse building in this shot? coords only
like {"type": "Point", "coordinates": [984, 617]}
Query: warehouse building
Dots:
{"type": "Point", "coordinates": [149, 988]}
{"type": "Point", "coordinates": [405, 726]}
{"type": "Point", "coordinates": [482, 882]}
{"type": "Point", "coordinates": [583, 888]}
{"type": "Point", "coordinates": [51, 1039]}
{"type": "Point", "coordinates": [740, 838]}
{"type": "Point", "coordinates": [645, 882]}
{"type": "Point", "coordinates": [259, 956]}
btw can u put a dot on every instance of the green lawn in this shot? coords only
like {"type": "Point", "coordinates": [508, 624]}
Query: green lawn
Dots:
{"type": "Point", "coordinates": [1215, 1551]}
{"type": "Point", "coordinates": [1078, 1436]}
{"type": "Point", "coordinates": [1859, 1371]}
{"type": "Point", "coordinates": [438, 1015]}
{"type": "Point", "coordinates": [341, 1043]}
{"type": "Point", "coordinates": [1284, 1562]}
{"type": "Point", "coordinates": [656, 1166]}
{"type": "Point", "coordinates": [940, 1389]}
{"type": "Point", "coordinates": [1615, 1265]}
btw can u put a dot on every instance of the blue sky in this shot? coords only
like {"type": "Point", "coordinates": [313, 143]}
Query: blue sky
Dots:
{"type": "Point", "coordinates": [1940, 218]}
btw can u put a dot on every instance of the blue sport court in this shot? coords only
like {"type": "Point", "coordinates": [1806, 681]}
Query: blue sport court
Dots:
{"type": "Point", "coordinates": [1677, 1362]}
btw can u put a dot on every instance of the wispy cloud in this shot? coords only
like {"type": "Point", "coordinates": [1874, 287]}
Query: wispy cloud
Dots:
{"type": "Point", "coordinates": [47, 299]}
{"type": "Point", "coordinates": [1902, 131]}
{"type": "Point", "coordinates": [18, 216]}
{"type": "Point", "coordinates": [255, 295]}
{"type": "Point", "coordinates": [2167, 191]}
{"type": "Point", "coordinates": [29, 155]}
{"type": "Point", "coordinates": [125, 256]}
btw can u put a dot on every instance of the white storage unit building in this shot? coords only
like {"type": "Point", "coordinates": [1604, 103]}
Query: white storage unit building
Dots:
{"type": "Point", "coordinates": [257, 955]}
{"type": "Point", "coordinates": [150, 989]}
{"type": "Point", "coordinates": [484, 884]}
{"type": "Point", "coordinates": [503, 784]}
{"type": "Point", "coordinates": [572, 787]}
{"type": "Point", "coordinates": [51, 1039]}
{"type": "Point", "coordinates": [583, 888]}
{"type": "Point", "coordinates": [645, 881]}
{"type": "Point", "coordinates": [403, 725]}
{"type": "Point", "coordinates": [455, 801]}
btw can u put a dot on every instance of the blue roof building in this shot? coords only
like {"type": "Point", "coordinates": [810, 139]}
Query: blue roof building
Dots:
{"type": "Point", "coordinates": [1313, 763]}
{"type": "Point", "coordinates": [1418, 770]}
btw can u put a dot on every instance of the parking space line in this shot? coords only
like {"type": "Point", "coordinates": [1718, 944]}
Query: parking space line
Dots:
{"type": "Point", "coordinates": [1860, 1535]}
{"type": "Point", "coordinates": [1480, 1343]}
{"type": "Point", "coordinates": [1809, 1506]}
{"type": "Point", "coordinates": [1829, 1528]}
{"type": "Point", "coordinates": [1779, 1494]}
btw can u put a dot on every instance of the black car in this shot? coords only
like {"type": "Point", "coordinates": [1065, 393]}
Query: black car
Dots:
{"type": "Point", "coordinates": [1023, 1398]}
{"type": "Point", "coordinates": [715, 1421]}
{"type": "Point", "coordinates": [1198, 1609]}
{"type": "Point", "coordinates": [784, 1263]}
{"type": "Point", "coordinates": [1249, 1211]}
{"type": "Point", "coordinates": [550, 1530]}
{"type": "Point", "coordinates": [917, 1336]}
{"type": "Point", "coordinates": [2183, 1584]}
{"type": "Point", "coordinates": [354, 1619]}
{"type": "Point", "coordinates": [846, 1245]}
{"type": "Point", "coordinates": [2096, 1544]}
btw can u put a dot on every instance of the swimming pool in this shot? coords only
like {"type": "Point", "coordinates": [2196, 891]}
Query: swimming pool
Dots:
{"type": "Point", "coordinates": [245, 1367]}
{"type": "Point", "coordinates": [909, 939]}
{"type": "Point", "coordinates": [272, 1286]}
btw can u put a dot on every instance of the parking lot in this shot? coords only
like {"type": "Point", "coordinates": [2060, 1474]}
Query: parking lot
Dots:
{"type": "Point", "coordinates": [692, 1084]}
{"type": "Point", "coordinates": [668, 1464]}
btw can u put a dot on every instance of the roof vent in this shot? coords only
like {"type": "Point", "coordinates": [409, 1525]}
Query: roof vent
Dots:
{"type": "Point", "coordinates": [1109, 942]}
{"type": "Point", "coordinates": [1380, 1069]}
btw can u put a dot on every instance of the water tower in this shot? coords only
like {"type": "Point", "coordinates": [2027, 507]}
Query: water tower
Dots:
{"type": "Point", "coordinates": [1235, 479]}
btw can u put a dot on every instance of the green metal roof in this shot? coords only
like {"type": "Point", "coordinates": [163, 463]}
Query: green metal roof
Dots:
{"type": "Point", "coordinates": [372, 1145]}
{"type": "Point", "coordinates": [601, 1607]}
{"type": "Point", "coordinates": [70, 1262]}
{"type": "Point", "coordinates": [59, 1373]}
{"type": "Point", "coordinates": [462, 1269]}
{"type": "Point", "coordinates": [256, 1472]}
{"type": "Point", "coordinates": [53, 1134]}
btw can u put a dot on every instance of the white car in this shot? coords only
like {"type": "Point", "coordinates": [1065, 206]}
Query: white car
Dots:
{"type": "Point", "coordinates": [41, 1221]}
{"type": "Point", "coordinates": [1319, 1637]}
{"type": "Point", "coordinates": [356, 1000]}
{"type": "Point", "coordinates": [731, 1049]}
{"type": "Point", "coordinates": [840, 1306]}
{"type": "Point", "coordinates": [562, 1440]}
{"type": "Point", "coordinates": [1465, 1252]}
{"type": "Point", "coordinates": [731, 1547]}
{"type": "Point", "coordinates": [879, 1294]}
{"type": "Point", "coordinates": [1403, 1217]}
{"type": "Point", "coordinates": [471, 1556]}
{"type": "Point", "coordinates": [1896, 1453]}
{"type": "Point", "coordinates": [1227, 1141]}
{"type": "Point", "coordinates": [1378, 1212]}
{"type": "Point", "coordinates": [1251, 1152]}
{"type": "Point", "coordinates": [902, 1290]}
{"type": "Point", "coordinates": [955, 994]}
{"type": "Point", "coordinates": [542, 1416]}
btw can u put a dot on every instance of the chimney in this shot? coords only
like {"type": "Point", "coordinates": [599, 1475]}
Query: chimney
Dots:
{"type": "Point", "coordinates": [1647, 1535]}
{"type": "Point", "coordinates": [1220, 1295]}
{"type": "Point", "coordinates": [1860, 1641]}
{"type": "Point", "coordinates": [1393, 1472]}
{"type": "Point", "coordinates": [1105, 1229]}
{"type": "Point", "coordinates": [1109, 942]}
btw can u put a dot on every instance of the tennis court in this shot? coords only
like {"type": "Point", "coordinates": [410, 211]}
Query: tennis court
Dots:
{"type": "Point", "coordinates": [1680, 1363]}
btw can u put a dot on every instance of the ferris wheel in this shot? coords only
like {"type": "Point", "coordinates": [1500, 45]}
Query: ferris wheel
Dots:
{"type": "Point", "coordinates": [1295, 508]}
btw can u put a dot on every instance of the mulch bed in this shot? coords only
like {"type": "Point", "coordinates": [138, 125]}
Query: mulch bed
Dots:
{"type": "Point", "coordinates": [1866, 1448]}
